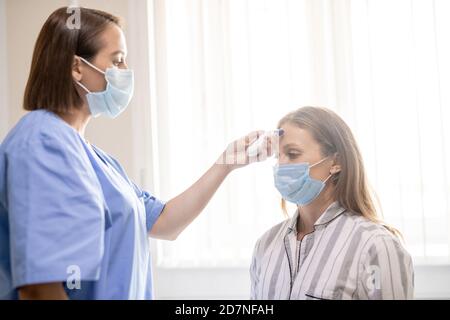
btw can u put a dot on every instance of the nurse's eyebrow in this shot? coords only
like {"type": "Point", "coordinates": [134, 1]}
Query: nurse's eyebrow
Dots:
{"type": "Point", "coordinates": [118, 52]}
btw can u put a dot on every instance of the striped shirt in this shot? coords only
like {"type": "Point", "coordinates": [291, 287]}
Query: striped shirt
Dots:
{"type": "Point", "coordinates": [347, 256]}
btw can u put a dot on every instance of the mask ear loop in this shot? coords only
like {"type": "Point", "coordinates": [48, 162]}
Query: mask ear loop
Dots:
{"type": "Point", "coordinates": [331, 174]}
{"type": "Point", "coordinates": [82, 86]}
{"type": "Point", "coordinates": [91, 65]}
{"type": "Point", "coordinates": [317, 163]}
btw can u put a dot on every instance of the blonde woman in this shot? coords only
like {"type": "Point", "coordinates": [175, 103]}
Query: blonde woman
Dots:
{"type": "Point", "coordinates": [335, 246]}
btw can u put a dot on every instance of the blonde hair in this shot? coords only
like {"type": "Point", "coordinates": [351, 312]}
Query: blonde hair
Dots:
{"type": "Point", "coordinates": [352, 189]}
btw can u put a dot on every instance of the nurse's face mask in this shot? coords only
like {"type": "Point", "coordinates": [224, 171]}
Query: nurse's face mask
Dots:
{"type": "Point", "coordinates": [118, 93]}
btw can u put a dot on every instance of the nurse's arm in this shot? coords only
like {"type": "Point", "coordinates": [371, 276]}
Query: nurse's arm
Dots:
{"type": "Point", "coordinates": [180, 211]}
{"type": "Point", "coordinates": [45, 291]}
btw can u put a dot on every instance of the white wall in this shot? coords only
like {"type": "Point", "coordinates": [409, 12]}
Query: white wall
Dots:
{"type": "Point", "coordinates": [431, 282]}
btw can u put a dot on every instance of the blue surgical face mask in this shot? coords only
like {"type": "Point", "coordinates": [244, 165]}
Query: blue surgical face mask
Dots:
{"type": "Point", "coordinates": [296, 185]}
{"type": "Point", "coordinates": [119, 91]}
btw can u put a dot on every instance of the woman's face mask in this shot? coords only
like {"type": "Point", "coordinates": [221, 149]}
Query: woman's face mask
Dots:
{"type": "Point", "coordinates": [295, 184]}
{"type": "Point", "coordinates": [118, 93]}
{"type": "Point", "coordinates": [292, 175]}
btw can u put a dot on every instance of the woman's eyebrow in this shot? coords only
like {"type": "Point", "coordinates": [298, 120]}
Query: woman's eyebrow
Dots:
{"type": "Point", "coordinates": [292, 145]}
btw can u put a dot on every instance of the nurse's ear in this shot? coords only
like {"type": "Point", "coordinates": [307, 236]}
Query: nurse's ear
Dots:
{"type": "Point", "coordinates": [76, 69]}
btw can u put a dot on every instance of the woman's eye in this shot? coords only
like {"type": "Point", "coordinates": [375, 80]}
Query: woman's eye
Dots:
{"type": "Point", "coordinates": [292, 155]}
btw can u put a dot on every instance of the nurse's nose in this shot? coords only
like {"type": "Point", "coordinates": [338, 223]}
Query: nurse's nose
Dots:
{"type": "Point", "coordinates": [124, 65]}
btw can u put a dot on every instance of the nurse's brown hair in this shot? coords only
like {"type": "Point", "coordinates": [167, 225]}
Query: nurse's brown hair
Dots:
{"type": "Point", "coordinates": [334, 136]}
{"type": "Point", "coordinates": [50, 84]}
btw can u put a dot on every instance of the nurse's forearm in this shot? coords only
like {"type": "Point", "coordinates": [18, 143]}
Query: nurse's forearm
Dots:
{"type": "Point", "coordinates": [180, 211]}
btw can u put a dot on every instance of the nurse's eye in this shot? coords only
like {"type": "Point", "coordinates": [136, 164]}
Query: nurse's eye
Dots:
{"type": "Point", "coordinates": [119, 62]}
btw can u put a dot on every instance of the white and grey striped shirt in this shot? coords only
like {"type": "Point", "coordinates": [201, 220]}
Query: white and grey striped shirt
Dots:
{"type": "Point", "coordinates": [346, 257]}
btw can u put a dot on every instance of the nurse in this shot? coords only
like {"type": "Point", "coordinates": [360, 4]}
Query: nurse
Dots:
{"type": "Point", "coordinates": [72, 224]}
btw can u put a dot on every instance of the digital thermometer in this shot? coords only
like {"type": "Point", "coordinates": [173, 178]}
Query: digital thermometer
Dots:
{"type": "Point", "coordinates": [258, 146]}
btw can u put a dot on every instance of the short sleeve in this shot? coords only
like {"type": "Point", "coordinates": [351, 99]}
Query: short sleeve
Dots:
{"type": "Point", "coordinates": [56, 213]}
{"type": "Point", "coordinates": [153, 209]}
{"type": "Point", "coordinates": [386, 271]}
{"type": "Point", "coordinates": [153, 206]}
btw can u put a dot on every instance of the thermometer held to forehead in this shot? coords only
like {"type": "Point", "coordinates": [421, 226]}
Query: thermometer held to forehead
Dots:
{"type": "Point", "coordinates": [257, 147]}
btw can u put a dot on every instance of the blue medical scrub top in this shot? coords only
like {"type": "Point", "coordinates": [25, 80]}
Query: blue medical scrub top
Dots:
{"type": "Point", "coordinates": [70, 214]}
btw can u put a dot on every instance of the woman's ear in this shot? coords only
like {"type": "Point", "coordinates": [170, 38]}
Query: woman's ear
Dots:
{"type": "Point", "coordinates": [76, 69]}
{"type": "Point", "coordinates": [335, 169]}
{"type": "Point", "coordinates": [336, 166]}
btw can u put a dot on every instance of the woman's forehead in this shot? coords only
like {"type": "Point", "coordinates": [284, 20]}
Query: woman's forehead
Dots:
{"type": "Point", "coordinates": [296, 136]}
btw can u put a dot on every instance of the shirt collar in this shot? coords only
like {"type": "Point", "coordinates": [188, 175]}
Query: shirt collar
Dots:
{"type": "Point", "coordinates": [331, 213]}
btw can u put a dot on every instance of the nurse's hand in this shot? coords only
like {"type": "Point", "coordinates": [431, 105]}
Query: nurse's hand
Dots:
{"type": "Point", "coordinates": [236, 156]}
